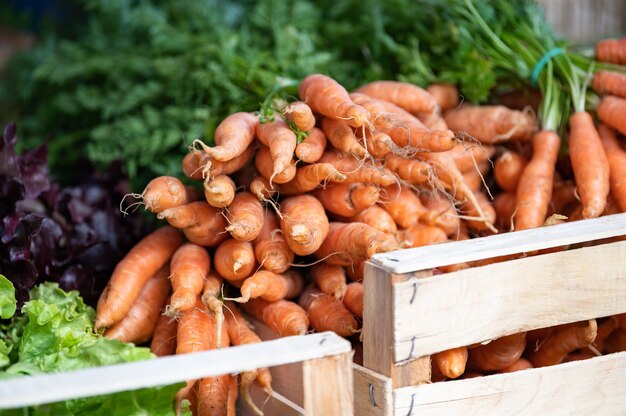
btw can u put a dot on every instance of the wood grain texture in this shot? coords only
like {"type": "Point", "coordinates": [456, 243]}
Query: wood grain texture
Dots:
{"type": "Point", "coordinates": [588, 387]}
{"type": "Point", "coordinates": [328, 387]}
{"type": "Point", "coordinates": [373, 392]}
{"type": "Point", "coordinates": [272, 404]}
{"type": "Point", "coordinates": [488, 302]}
{"type": "Point", "coordinates": [428, 257]}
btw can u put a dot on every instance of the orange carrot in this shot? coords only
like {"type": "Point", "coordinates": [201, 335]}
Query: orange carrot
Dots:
{"type": "Point", "coordinates": [220, 191]}
{"type": "Point", "coordinates": [262, 189]}
{"type": "Point", "coordinates": [491, 124]}
{"type": "Point", "coordinates": [330, 279]}
{"type": "Point", "coordinates": [498, 354]}
{"type": "Point", "coordinates": [508, 168]}
{"type": "Point", "coordinates": [505, 206]}
{"type": "Point", "coordinates": [234, 260]}
{"type": "Point", "coordinates": [312, 148]}
{"type": "Point", "coordinates": [213, 395]}
{"type": "Point", "coordinates": [616, 342]}
{"type": "Point", "coordinates": [310, 177]}
{"type": "Point", "coordinates": [195, 330]}
{"type": "Point", "coordinates": [139, 323]}
{"type": "Point", "coordinates": [617, 163]}
{"type": "Point", "coordinates": [607, 82]}
{"type": "Point", "coordinates": [245, 217]}
{"type": "Point", "coordinates": [132, 273]}
{"type": "Point", "coordinates": [473, 181]}
{"type": "Point", "coordinates": [590, 164]}
{"type": "Point", "coordinates": [376, 217]}
{"type": "Point", "coordinates": [326, 313]}
{"type": "Point", "coordinates": [281, 141]}
{"type": "Point", "coordinates": [232, 137]}
{"type": "Point", "coordinates": [403, 205]}
{"type": "Point", "coordinates": [270, 248]}
{"type": "Point", "coordinates": [265, 165]}
{"type": "Point", "coordinates": [356, 271]}
{"type": "Point", "coordinates": [347, 199]}
{"type": "Point", "coordinates": [189, 267]}
{"type": "Point", "coordinates": [359, 171]}
{"type": "Point", "coordinates": [300, 115]}
{"type": "Point", "coordinates": [340, 135]}
{"type": "Point", "coordinates": [562, 342]}
{"type": "Point", "coordinates": [443, 211]}
{"type": "Point", "coordinates": [201, 223]}
{"type": "Point", "coordinates": [433, 121]}
{"type": "Point", "coordinates": [378, 143]}
{"type": "Point", "coordinates": [164, 338]}
{"type": "Point", "coordinates": [521, 364]}
{"type": "Point", "coordinates": [326, 96]}
{"type": "Point", "coordinates": [283, 317]}
{"type": "Point", "coordinates": [563, 197]}
{"type": "Point", "coordinates": [451, 363]}
{"type": "Point", "coordinates": [611, 50]}
{"type": "Point", "coordinates": [212, 168]}
{"type": "Point", "coordinates": [271, 286]}
{"type": "Point", "coordinates": [191, 165]}
{"type": "Point", "coordinates": [352, 242]}
{"type": "Point", "coordinates": [304, 223]}
{"type": "Point", "coordinates": [353, 299]}
{"type": "Point", "coordinates": [413, 171]}
{"type": "Point", "coordinates": [534, 191]}
{"type": "Point", "coordinates": [164, 192]}
{"type": "Point", "coordinates": [621, 318]}
{"type": "Point", "coordinates": [421, 235]}
{"type": "Point", "coordinates": [406, 96]}
{"type": "Point", "coordinates": [605, 329]}
{"type": "Point", "coordinates": [446, 95]}
{"type": "Point", "coordinates": [467, 157]}
{"type": "Point", "coordinates": [211, 299]}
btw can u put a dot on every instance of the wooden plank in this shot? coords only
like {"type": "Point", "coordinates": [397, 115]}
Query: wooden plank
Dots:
{"type": "Point", "coordinates": [272, 404]}
{"type": "Point", "coordinates": [28, 391]}
{"type": "Point", "coordinates": [328, 387]}
{"type": "Point", "coordinates": [423, 258]}
{"type": "Point", "coordinates": [484, 303]}
{"type": "Point", "coordinates": [588, 387]}
{"type": "Point", "coordinates": [373, 392]}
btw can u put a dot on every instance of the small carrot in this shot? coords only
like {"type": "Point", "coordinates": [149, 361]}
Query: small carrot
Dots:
{"type": "Point", "coordinates": [211, 299]}
{"type": "Point", "coordinates": [212, 168]}
{"type": "Point", "coordinates": [139, 323]}
{"type": "Point", "coordinates": [403, 205]}
{"type": "Point", "coordinates": [189, 267]}
{"type": "Point", "coordinates": [261, 188]}
{"type": "Point", "coordinates": [562, 342]}
{"type": "Point", "coordinates": [443, 211]}
{"type": "Point", "coordinates": [610, 111]}
{"type": "Point", "coordinates": [326, 313]}
{"type": "Point", "coordinates": [164, 192]}
{"type": "Point", "coordinates": [352, 242]}
{"type": "Point", "coordinates": [281, 141]}
{"type": "Point", "coordinates": [265, 165]}
{"type": "Point", "coordinates": [164, 338]}
{"type": "Point", "coordinates": [414, 171]}
{"type": "Point", "coordinates": [359, 171]}
{"type": "Point", "coordinates": [421, 235]}
{"type": "Point", "coordinates": [304, 223]}
{"type": "Point", "coordinates": [271, 286]}
{"type": "Point", "coordinates": [132, 273]}
{"type": "Point", "coordinates": [468, 157]}
{"type": "Point", "coordinates": [312, 147]}
{"type": "Point", "coordinates": [617, 163]}
{"type": "Point", "coordinates": [220, 191]}
{"type": "Point", "coordinates": [376, 217]}
{"type": "Point", "coordinates": [508, 168]}
{"type": "Point", "coordinates": [519, 365]}
{"type": "Point", "coordinates": [446, 95]}
{"type": "Point", "coordinates": [201, 223]}
{"type": "Point", "coordinates": [234, 260]}
{"type": "Point", "coordinates": [590, 164]}
{"type": "Point", "coordinates": [433, 121]}
{"type": "Point", "coordinates": [505, 206]}
{"type": "Point", "coordinates": [300, 114]}
{"type": "Point", "coordinates": [232, 137]}
{"type": "Point", "coordinates": [403, 94]}
{"type": "Point", "coordinates": [310, 177]}
{"type": "Point", "coordinates": [245, 217]}
{"type": "Point", "coordinates": [498, 354]}
{"type": "Point", "coordinates": [611, 50]}
{"type": "Point", "coordinates": [492, 124]}
{"type": "Point", "coordinates": [326, 96]}
{"type": "Point", "coordinates": [611, 83]}
{"type": "Point", "coordinates": [191, 165]}
{"type": "Point", "coordinates": [451, 363]}
{"type": "Point", "coordinates": [340, 135]}
{"type": "Point", "coordinates": [270, 248]}
{"type": "Point", "coordinates": [347, 199]}
{"type": "Point", "coordinates": [353, 299]}
{"type": "Point", "coordinates": [330, 279]}
{"type": "Point", "coordinates": [283, 317]}
{"type": "Point", "coordinates": [378, 143]}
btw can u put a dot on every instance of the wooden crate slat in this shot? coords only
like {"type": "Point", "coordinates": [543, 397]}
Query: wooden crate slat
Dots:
{"type": "Point", "coordinates": [323, 381]}
{"type": "Point", "coordinates": [595, 386]}
{"type": "Point", "coordinates": [270, 404]}
{"type": "Point", "coordinates": [373, 392]}
{"type": "Point", "coordinates": [422, 258]}
{"type": "Point", "coordinates": [437, 313]}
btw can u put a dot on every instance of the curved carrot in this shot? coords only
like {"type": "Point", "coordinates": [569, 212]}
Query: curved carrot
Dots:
{"type": "Point", "coordinates": [304, 223]}
{"type": "Point", "coordinates": [413, 171]}
{"type": "Point", "coordinates": [446, 95]}
{"type": "Point", "coordinates": [164, 338]}
{"type": "Point", "coordinates": [283, 317]}
{"type": "Point", "coordinates": [353, 299]}
{"type": "Point", "coordinates": [262, 189]}
{"type": "Point", "coordinates": [281, 141]}
{"type": "Point", "coordinates": [189, 267]}
{"type": "Point", "coordinates": [340, 135]}
{"type": "Point", "coordinates": [498, 354]}
{"type": "Point", "coordinates": [330, 279]}
{"type": "Point", "coordinates": [211, 298]}
{"type": "Point", "coordinates": [611, 50]}
{"type": "Point", "coordinates": [310, 177]}
{"type": "Point", "coordinates": [245, 217]}
{"type": "Point", "coordinates": [220, 191]}
{"type": "Point", "coordinates": [359, 171]}
{"type": "Point", "coordinates": [234, 260]}
{"type": "Point", "coordinates": [562, 342]}
{"type": "Point", "coordinates": [270, 286]}
{"type": "Point", "coordinates": [451, 363]}
{"type": "Point", "coordinates": [132, 273]}
{"type": "Point", "coordinates": [492, 124]}
{"type": "Point", "coordinates": [233, 136]}
{"type": "Point", "coordinates": [611, 111]}
{"type": "Point", "coordinates": [421, 235]}
{"type": "Point", "coordinates": [270, 248]}
{"type": "Point", "coordinates": [312, 147]}
{"type": "Point", "coordinates": [347, 199]}
{"type": "Point", "coordinates": [300, 114]}
{"type": "Point", "coordinates": [607, 82]}
{"type": "Point", "coordinates": [617, 164]}
{"type": "Point", "coordinates": [326, 313]}
{"type": "Point", "coordinates": [201, 223]}
{"type": "Point", "coordinates": [376, 217]}
{"type": "Point", "coordinates": [265, 165]}
{"type": "Point", "coordinates": [509, 167]}
{"type": "Point", "coordinates": [164, 192]}
{"type": "Point", "coordinates": [403, 94]}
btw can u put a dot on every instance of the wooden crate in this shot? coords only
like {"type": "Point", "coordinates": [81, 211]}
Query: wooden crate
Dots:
{"type": "Point", "coordinates": [325, 384]}
{"type": "Point", "coordinates": [410, 314]}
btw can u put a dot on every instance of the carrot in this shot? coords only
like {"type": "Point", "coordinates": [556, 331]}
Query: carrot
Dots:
{"type": "Point", "coordinates": [563, 196]}
{"type": "Point", "coordinates": [232, 137]}
{"type": "Point", "coordinates": [421, 235]}
{"type": "Point", "coordinates": [508, 168]}
{"type": "Point", "coordinates": [164, 337]}
{"type": "Point", "coordinates": [189, 267]}
{"type": "Point", "coordinates": [232, 397]}
{"type": "Point", "coordinates": [164, 192]}
{"type": "Point", "coordinates": [283, 317]}
{"type": "Point", "coordinates": [451, 363]}
{"type": "Point", "coordinates": [505, 205]}
{"type": "Point", "coordinates": [212, 168]}
{"type": "Point", "coordinates": [611, 110]}
{"type": "Point", "coordinates": [353, 299]}
{"type": "Point", "coordinates": [611, 83]}
{"type": "Point", "coordinates": [616, 342]}
{"type": "Point", "coordinates": [356, 271]}
{"type": "Point", "coordinates": [300, 114]}
{"type": "Point", "coordinates": [359, 171]}
{"type": "Point", "coordinates": [492, 124]}
{"type": "Point", "coordinates": [326, 313]}
{"type": "Point", "coordinates": [132, 273]}
{"type": "Point", "coordinates": [265, 165]}
{"type": "Point", "coordinates": [413, 171]}
{"type": "Point", "coordinates": [330, 279]}
{"type": "Point", "coordinates": [312, 147]}
{"type": "Point", "coordinates": [191, 165]}
{"type": "Point", "coordinates": [611, 50]}
{"type": "Point", "coordinates": [352, 242]}
{"type": "Point", "coordinates": [446, 95]}
{"type": "Point", "coordinates": [139, 323]}
{"type": "Point", "coordinates": [326, 96]}
{"type": "Point", "coordinates": [403, 205]}
{"type": "Point", "coordinates": [220, 191]}
{"type": "Point", "coordinates": [562, 342]}
{"type": "Point", "coordinates": [245, 217]}
{"type": "Point", "coordinates": [433, 121]}
{"type": "Point", "coordinates": [621, 318]}
{"type": "Point", "coordinates": [340, 135]}
{"type": "Point", "coordinates": [406, 96]}
{"type": "Point", "coordinates": [271, 286]}
{"type": "Point", "coordinates": [521, 364]}
{"type": "Point", "coordinates": [580, 355]}
{"type": "Point", "coordinates": [617, 162]}
{"type": "Point", "coordinates": [605, 329]}
{"type": "Point", "coordinates": [534, 191]}
{"type": "Point", "coordinates": [444, 212]}
{"type": "Point", "coordinates": [310, 177]}
{"type": "Point", "coordinates": [403, 128]}
{"type": "Point", "coordinates": [201, 223]}
{"type": "Point", "coordinates": [211, 299]}
{"type": "Point", "coordinates": [590, 164]}
{"type": "Point", "coordinates": [304, 223]}
{"type": "Point", "coordinates": [347, 199]}
{"type": "Point", "coordinates": [213, 395]}
{"type": "Point", "coordinates": [473, 181]}
{"type": "Point", "coordinates": [378, 143]}
{"type": "Point", "coordinates": [270, 248]}
{"type": "Point", "coordinates": [467, 157]}
{"type": "Point", "coordinates": [262, 189]}
{"type": "Point", "coordinates": [281, 141]}
{"type": "Point", "coordinates": [376, 217]}
{"type": "Point", "coordinates": [190, 393]}
{"type": "Point", "coordinates": [498, 354]}
{"type": "Point", "coordinates": [195, 330]}
{"type": "Point", "coordinates": [234, 260]}
{"type": "Point", "coordinates": [487, 210]}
